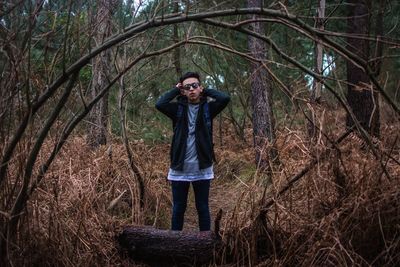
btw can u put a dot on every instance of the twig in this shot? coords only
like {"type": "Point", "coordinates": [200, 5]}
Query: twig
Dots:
{"type": "Point", "coordinates": [217, 224]}
{"type": "Point", "coordinates": [304, 171]}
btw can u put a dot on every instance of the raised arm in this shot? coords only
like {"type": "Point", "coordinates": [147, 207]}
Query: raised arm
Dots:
{"type": "Point", "coordinates": [164, 103]}
{"type": "Point", "coordinates": [221, 100]}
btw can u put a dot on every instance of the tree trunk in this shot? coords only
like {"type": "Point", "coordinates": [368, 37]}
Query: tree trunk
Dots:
{"type": "Point", "coordinates": [360, 96]}
{"type": "Point", "coordinates": [166, 247]}
{"type": "Point", "coordinates": [177, 51]}
{"type": "Point", "coordinates": [132, 164]}
{"type": "Point", "coordinates": [261, 100]}
{"type": "Point", "coordinates": [319, 54]}
{"type": "Point", "coordinates": [98, 118]}
{"type": "Point", "coordinates": [317, 85]}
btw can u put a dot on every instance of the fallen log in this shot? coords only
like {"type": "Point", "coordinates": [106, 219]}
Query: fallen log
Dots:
{"type": "Point", "coordinates": [165, 247]}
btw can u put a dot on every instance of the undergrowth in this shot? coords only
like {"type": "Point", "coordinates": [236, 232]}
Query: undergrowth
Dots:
{"type": "Point", "coordinates": [343, 212]}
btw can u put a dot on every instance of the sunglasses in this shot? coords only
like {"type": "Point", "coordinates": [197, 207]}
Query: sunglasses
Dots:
{"type": "Point", "coordinates": [190, 85]}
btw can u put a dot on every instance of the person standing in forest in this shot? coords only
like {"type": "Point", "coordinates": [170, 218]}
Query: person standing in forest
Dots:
{"type": "Point", "coordinates": [192, 152]}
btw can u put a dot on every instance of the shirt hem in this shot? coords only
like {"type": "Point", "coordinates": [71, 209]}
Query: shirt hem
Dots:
{"type": "Point", "coordinates": [189, 180]}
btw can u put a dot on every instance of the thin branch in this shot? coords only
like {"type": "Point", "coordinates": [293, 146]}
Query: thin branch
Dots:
{"type": "Point", "coordinates": [64, 50]}
{"type": "Point", "coordinates": [22, 197]}
{"type": "Point", "coordinates": [319, 77]}
{"type": "Point", "coordinates": [132, 164]}
{"type": "Point", "coordinates": [75, 120]}
{"type": "Point", "coordinates": [355, 59]}
{"type": "Point", "coordinates": [304, 171]}
{"type": "Point", "coordinates": [169, 20]}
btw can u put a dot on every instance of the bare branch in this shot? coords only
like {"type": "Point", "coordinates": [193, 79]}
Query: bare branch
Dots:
{"type": "Point", "coordinates": [79, 117]}
{"type": "Point", "coordinates": [304, 171]}
{"type": "Point", "coordinates": [22, 197]}
{"type": "Point", "coordinates": [134, 168]}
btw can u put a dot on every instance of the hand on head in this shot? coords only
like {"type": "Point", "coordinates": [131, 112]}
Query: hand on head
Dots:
{"type": "Point", "coordinates": [192, 89]}
{"type": "Point", "coordinates": [190, 86]}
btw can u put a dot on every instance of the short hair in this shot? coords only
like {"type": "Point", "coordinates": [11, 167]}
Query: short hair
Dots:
{"type": "Point", "coordinates": [188, 75]}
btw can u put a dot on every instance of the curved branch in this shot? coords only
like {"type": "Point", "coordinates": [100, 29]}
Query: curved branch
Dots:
{"type": "Point", "coordinates": [74, 121]}
{"type": "Point", "coordinates": [169, 20]}
{"type": "Point", "coordinates": [111, 41]}
{"type": "Point", "coordinates": [299, 25]}
{"type": "Point", "coordinates": [304, 171]}
{"type": "Point", "coordinates": [22, 197]}
{"type": "Point", "coordinates": [318, 77]}
{"type": "Point", "coordinates": [134, 168]}
{"type": "Point", "coordinates": [355, 59]}
{"type": "Point", "coordinates": [381, 40]}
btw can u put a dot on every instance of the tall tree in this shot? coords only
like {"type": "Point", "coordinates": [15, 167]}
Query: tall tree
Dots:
{"type": "Point", "coordinates": [318, 55]}
{"type": "Point", "coordinates": [177, 51]}
{"type": "Point", "coordinates": [98, 118]}
{"type": "Point", "coordinates": [360, 94]}
{"type": "Point", "coordinates": [319, 50]}
{"type": "Point", "coordinates": [261, 99]}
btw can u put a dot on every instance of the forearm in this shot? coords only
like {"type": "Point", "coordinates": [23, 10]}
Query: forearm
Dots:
{"type": "Point", "coordinates": [167, 97]}
{"type": "Point", "coordinates": [219, 96]}
{"type": "Point", "coordinates": [221, 100]}
{"type": "Point", "coordinates": [164, 102]}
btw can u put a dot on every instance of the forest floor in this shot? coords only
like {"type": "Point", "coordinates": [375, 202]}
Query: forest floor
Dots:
{"type": "Point", "coordinates": [88, 196]}
{"type": "Point", "coordinates": [222, 196]}
{"type": "Point", "coordinates": [234, 159]}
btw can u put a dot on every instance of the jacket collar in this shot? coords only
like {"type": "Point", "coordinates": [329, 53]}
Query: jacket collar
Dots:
{"type": "Point", "coordinates": [184, 100]}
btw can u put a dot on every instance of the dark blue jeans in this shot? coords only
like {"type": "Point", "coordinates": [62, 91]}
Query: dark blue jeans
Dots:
{"type": "Point", "coordinates": [180, 191]}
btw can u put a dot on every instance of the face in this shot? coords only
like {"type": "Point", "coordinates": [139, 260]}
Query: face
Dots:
{"type": "Point", "coordinates": [193, 94]}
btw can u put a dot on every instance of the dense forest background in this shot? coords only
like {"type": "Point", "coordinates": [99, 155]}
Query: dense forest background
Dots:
{"type": "Point", "coordinates": [308, 150]}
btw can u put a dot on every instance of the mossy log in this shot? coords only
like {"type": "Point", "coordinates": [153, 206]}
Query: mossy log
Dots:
{"type": "Point", "coordinates": [166, 247]}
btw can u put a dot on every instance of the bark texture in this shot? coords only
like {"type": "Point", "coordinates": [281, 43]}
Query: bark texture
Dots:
{"type": "Point", "coordinates": [166, 248]}
{"type": "Point", "coordinates": [361, 96]}
{"type": "Point", "coordinates": [317, 85]}
{"type": "Point", "coordinates": [320, 20]}
{"type": "Point", "coordinates": [261, 99]}
{"type": "Point", "coordinates": [98, 118]}
{"type": "Point", "coordinates": [177, 51]}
